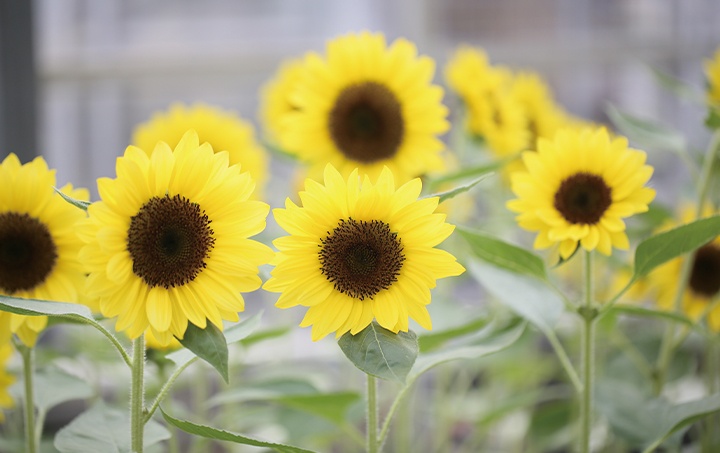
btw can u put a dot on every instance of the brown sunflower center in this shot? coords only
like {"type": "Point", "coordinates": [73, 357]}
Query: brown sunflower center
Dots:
{"type": "Point", "coordinates": [705, 274]}
{"type": "Point", "coordinates": [169, 240]}
{"type": "Point", "coordinates": [27, 252]}
{"type": "Point", "coordinates": [366, 123]}
{"type": "Point", "coordinates": [583, 198]}
{"type": "Point", "coordinates": [361, 258]}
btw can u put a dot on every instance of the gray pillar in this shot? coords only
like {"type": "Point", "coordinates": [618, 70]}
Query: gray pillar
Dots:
{"type": "Point", "coordinates": [17, 80]}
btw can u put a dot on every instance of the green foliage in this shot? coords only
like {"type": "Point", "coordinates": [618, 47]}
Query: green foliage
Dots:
{"type": "Point", "coordinates": [448, 194]}
{"type": "Point", "coordinates": [208, 344]}
{"type": "Point", "coordinates": [479, 172]}
{"type": "Point", "coordinates": [32, 307]}
{"type": "Point", "coordinates": [73, 201]}
{"type": "Point", "coordinates": [679, 88]}
{"type": "Point", "coordinates": [218, 434]}
{"type": "Point", "coordinates": [104, 429]}
{"type": "Point", "coordinates": [646, 132]}
{"type": "Point", "coordinates": [54, 386]}
{"type": "Point", "coordinates": [503, 254]}
{"type": "Point", "coordinates": [330, 406]}
{"type": "Point", "coordinates": [431, 341]}
{"type": "Point", "coordinates": [381, 353]}
{"type": "Point", "coordinates": [635, 310]}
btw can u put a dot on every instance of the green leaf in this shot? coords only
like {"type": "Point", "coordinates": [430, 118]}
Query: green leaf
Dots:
{"type": "Point", "coordinates": [74, 201]}
{"type": "Point", "coordinates": [489, 345]}
{"type": "Point", "coordinates": [32, 307]}
{"type": "Point", "coordinates": [330, 406]}
{"type": "Point", "coordinates": [457, 190]}
{"type": "Point", "coordinates": [646, 132]}
{"type": "Point", "coordinates": [669, 419]}
{"type": "Point", "coordinates": [104, 429]}
{"type": "Point", "coordinates": [466, 173]}
{"type": "Point", "coordinates": [652, 313]}
{"type": "Point", "coordinates": [218, 434]}
{"type": "Point", "coordinates": [434, 340]}
{"type": "Point", "coordinates": [265, 335]}
{"type": "Point", "coordinates": [528, 296]}
{"type": "Point", "coordinates": [712, 120]}
{"type": "Point", "coordinates": [54, 386]}
{"type": "Point", "coordinates": [658, 249]}
{"type": "Point", "coordinates": [503, 254]}
{"type": "Point", "coordinates": [680, 88]}
{"type": "Point", "coordinates": [266, 390]}
{"type": "Point", "coordinates": [381, 353]}
{"type": "Point", "coordinates": [208, 344]}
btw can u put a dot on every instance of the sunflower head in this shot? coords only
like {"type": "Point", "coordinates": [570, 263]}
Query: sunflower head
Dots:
{"type": "Point", "coordinates": [360, 251]}
{"type": "Point", "coordinates": [469, 72]}
{"type": "Point", "coordinates": [578, 188]}
{"type": "Point", "coordinates": [38, 245]}
{"type": "Point", "coordinates": [169, 241]}
{"type": "Point", "coordinates": [367, 105]}
{"type": "Point", "coordinates": [712, 72]}
{"type": "Point", "coordinates": [275, 101]}
{"type": "Point", "coordinates": [224, 130]}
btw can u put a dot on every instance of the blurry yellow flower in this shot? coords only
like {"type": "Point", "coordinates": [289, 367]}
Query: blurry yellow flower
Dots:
{"type": "Point", "coordinates": [6, 379]}
{"type": "Point", "coordinates": [275, 99]}
{"type": "Point", "coordinates": [38, 245]}
{"type": "Point", "coordinates": [712, 72]}
{"type": "Point", "coordinates": [469, 73]}
{"type": "Point", "coordinates": [367, 105]}
{"type": "Point", "coordinates": [169, 243]}
{"type": "Point", "coordinates": [578, 188]}
{"type": "Point", "coordinates": [358, 251]}
{"type": "Point", "coordinates": [224, 130]}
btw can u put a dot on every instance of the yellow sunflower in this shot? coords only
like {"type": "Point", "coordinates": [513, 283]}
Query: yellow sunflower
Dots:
{"type": "Point", "coordinates": [712, 72]}
{"type": "Point", "coordinates": [275, 99]}
{"type": "Point", "coordinates": [367, 105]}
{"type": "Point", "coordinates": [469, 72]}
{"type": "Point", "coordinates": [500, 120]}
{"type": "Point", "coordinates": [358, 251]}
{"type": "Point", "coordinates": [224, 130]}
{"type": "Point", "coordinates": [578, 188]}
{"type": "Point", "coordinates": [6, 379]}
{"type": "Point", "coordinates": [38, 245]}
{"type": "Point", "coordinates": [169, 243]}
{"type": "Point", "coordinates": [703, 286]}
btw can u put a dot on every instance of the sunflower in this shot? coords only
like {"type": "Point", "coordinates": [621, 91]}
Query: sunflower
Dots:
{"type": "Point", "coordinates": [224, 130]}
{"type": "Point", "coordinates": [578, 188]}
{"type": "Point", "coordinates": [366, 105]}
{"type": "Point", "coordinates": [500, 120]}
{"type": "Point", "coordinates": [169, 243]}
{"type": "Point", "coordinates": [703, 286]}
{"type": "Point", "coordinates": [38, 245]}
{"type": "Point", "coordinates": [6, 379]}
{"type": "Point", "coordinates": [712, 72]}
{"type": "Point", "coordinates": [469, 72]}
{"type": "Point", "coordinates": [275, 99]}
{"type": "Point", "coordinates": [359, 251]}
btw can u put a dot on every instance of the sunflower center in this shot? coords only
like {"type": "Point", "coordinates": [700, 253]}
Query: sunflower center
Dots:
{"type": "Point", "coordinates": [705, 274]}
{"type": "Point", "coordinates": [361, 258]}
{"type": "Point", "coordinates": [583, 198]}
{"type": "Point", "coordinates": [27, 252]}
{"type": "Point", "coordinates": [169, 240]}
{"type": "Point", "coordinates": [366, 123]}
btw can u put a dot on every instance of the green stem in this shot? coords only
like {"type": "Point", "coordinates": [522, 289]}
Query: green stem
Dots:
{"type": "Point", "coordinates": [115, 342]}
{"type": "Point", "coordinates": [372, 415]}
{"type": "Point", "coordinates": [137, 395]}
{"type": "Point", "coordinates": [565, 360]}
{"type": "Point", "coordinates": [166, 388]}
{"type": "Point", "coordinates": [706, 174]}
{"type": "Point", "coordinates": [31, 437]}
{"type": "Point", "coordinates": [588, 357]}
{"type": "Point", "coordinates": [391, 412]}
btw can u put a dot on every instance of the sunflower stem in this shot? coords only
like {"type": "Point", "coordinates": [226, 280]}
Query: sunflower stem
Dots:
{"type": "Point", "coordinates": [165, 389]}
{"type": "Point", "coordinates": [28, 359]}
{"type": "Point", "coordinates": [589, 314]}
{"type": "Point", "coordinates": [137, 395]}
{"type": "Point", "coordinates": [372, 415]}
{"type": "Point", "coordinates": [565, 361]}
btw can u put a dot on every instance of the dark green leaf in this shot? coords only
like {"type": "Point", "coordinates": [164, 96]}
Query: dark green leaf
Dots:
{"type": "Point", "coordinates": [467, 173]}
{"type": "Point", "coordinates": [433, 340]}
{"type": "Point", "coordinates": [212, 433]}
{"type": "Point", "coordinates": [651, 313]}
{"type": "Point", "coordinates": [448, 194]}
{"type": "Point", "coordinates": [503, 254]}
{"type": "Point", "coordinates": [32, 307]}
{"type": "Point", "coordinates": [663, 247]}
{"type": "Point", "coordinates": [529, 297]}
{"type": "Point", "coordinates": [712, 120]}
{"type": "Point", "coordinates": [330, 406]}
{"type": "Point", "coordinates": [73, 201]}
{"type": "Point", "coordinates": [646, 132]}
{"type": "Point", "coordinates": [208, 344]}
{"type": "Point", "coordinates": [381, 353]}
{"type": "Point", "coordinates": [104, 429]}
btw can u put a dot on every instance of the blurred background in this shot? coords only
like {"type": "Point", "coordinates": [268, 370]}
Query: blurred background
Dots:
{"type": "Point", "coordinates": [78, 75]}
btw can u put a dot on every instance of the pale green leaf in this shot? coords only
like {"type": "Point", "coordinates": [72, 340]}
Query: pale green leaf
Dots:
{"type": "Point", "coordinates": [663, 247]}
{"type": "Point", "coordinates": [669, 419]}
{"type": "Point", "coordinates": [330, 406]}
{"type": "Point", "coordinates": [381, 353]}
{"type": "Point", "coordinates": [647, 133]}
{"type": "Point", "coordinates": [434, 340]}
{"type": "Point", "coordinates": [54, 386]}
{"type": "Point", "coordinates": [680, 88]}
{"type": "Point", "coordinates": [500, 253]}
{"type": "Point", "coordinates": [645, 312]}
{"type": "Point", "coordinates": [208, 344]}
{"type": "Point", "coordinates": [263, 391]}
{"type": "Point", "coordinates": [82, 204]}
{"type": "Point", "coordinates": [466, 173]}
{"type": "Point", "coordinates": [448, 194]}
{"type": "Point", "coordinates": [104, 429]}
{"type": "Point", "coordinates": [218, 434]}
{"type": "Point", "coordinates": [32, 307]}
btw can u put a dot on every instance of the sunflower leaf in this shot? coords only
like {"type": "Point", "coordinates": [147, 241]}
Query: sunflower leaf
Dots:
{"type": "Point", "coordinates": [33, 307]}
{"type": "Point", "coordinates": [652, 313]}
{"type": "Point", "coordinates": [218, 434]}
{"type": "Point", "coordinates": [208, 344]}
{"type": "Point", "coordinates": [330, 406]}
{"type": "Point", "coordinates": [458, 190]}
{"type": "Point", "coordinates": [503, 254]}
{"type": "Point", "coordinates": [663, 247]}
{"type": "Point", "coordinates": [434, 340]}
{"type": "Point", "coordinates": [679, 88]}
{"type": "Point", "coordinates": [646, 132]}
{"type": "Point", "coordinates": [102, 428]}
{"type": "Point", "coordinates": [381, 353]}
{"type": "Point", "coordinates": [473, 172]}
{"type": "Point", "coordinates": [74, 201]}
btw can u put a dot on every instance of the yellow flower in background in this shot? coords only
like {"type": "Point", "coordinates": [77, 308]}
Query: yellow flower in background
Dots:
{"type": "Point", "coordinates": [544, 116]}
{"type": "Point", "coordinates": [224, 130]}
{"type": "Point", "coordinates": [275, 101]}
{"type": "Point", "coordinates": [500, 120]}
{"type": "Point", "coordinates": [578, 188]}
{"type": "Point", "coordinates": [169, 243]}
{"type": "Point", "coordinates": [358, 251]}
{"type": "Point", "coordinates": [38, 245]}
{"type": "Point", "coordinates": [469, 72]}
{"type": "Point", "coordinates": [6, 379]}
{"type": "Point", "coordinates": [367, 105]}
{"type": "Point", "coordinates": [712, 72]}
{"type": "Point", "coordinates": [703, 286]}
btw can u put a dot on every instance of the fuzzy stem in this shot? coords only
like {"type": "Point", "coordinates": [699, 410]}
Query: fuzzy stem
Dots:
{"type": "Point", "coordinates": [589, 314]}
{"type": "Point", "coordinates": [31, 438]}
{"type": "Point", "coordinates": [166, 388]}
{"type": "Point", "coordinates": [372, 415]}
{"type": "Point", "coordinates": [137, 395]}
